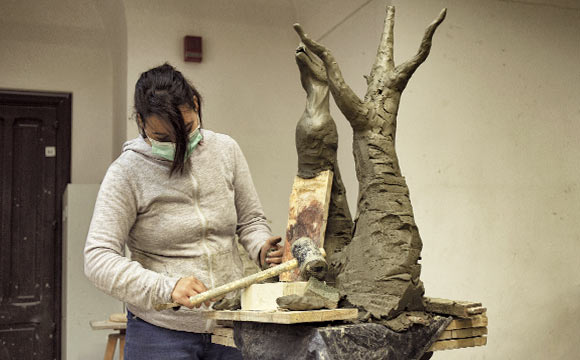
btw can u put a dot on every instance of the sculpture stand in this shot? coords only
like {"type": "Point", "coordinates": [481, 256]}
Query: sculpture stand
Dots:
{"type": "Point", "coordinates": [284, 335]}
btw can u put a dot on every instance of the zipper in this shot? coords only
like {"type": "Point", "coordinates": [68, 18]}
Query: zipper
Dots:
{"type": "Point", "coordinates": [203, 228]}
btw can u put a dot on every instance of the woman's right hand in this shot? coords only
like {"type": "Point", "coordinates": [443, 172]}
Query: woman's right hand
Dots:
{"type": "Point", "coordinates": [185, 288]}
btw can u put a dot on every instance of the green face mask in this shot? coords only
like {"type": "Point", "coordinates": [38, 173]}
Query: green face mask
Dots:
{"type": "Point", "coordinates": [167, 149]}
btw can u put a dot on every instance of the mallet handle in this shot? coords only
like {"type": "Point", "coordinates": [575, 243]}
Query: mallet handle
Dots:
{"type": "Point", "coordinates": [234, 285]}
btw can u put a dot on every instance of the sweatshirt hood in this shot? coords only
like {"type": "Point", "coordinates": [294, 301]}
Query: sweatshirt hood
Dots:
{"type": "Point", "coordinates": [139, 145]}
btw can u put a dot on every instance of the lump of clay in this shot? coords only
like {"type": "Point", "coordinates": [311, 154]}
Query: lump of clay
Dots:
{"type": "Point", "coordinates": [319, 289]}
{"type": "Point", "coordinates": [228, 304]}
{"type": "Point", "coordinates": [300, 303]}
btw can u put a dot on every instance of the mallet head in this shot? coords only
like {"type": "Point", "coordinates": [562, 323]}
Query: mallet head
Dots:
{"type": "Point", "coordinates": [310, 259]}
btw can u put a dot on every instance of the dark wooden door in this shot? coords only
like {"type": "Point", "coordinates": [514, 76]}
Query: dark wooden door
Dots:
{"type": "Point", "coordinates": [34, 170]}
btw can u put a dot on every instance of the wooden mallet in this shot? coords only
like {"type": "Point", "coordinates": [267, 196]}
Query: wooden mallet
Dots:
{"type": "Point", "coordinates": [307, 256]}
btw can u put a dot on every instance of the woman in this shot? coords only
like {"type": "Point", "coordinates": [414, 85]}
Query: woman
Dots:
{"type": "Point", "coordinates": [177, 196]}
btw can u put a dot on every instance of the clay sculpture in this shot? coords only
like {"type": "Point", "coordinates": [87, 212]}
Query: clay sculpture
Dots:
{"type": "Point", "coordinates": [378, 269]}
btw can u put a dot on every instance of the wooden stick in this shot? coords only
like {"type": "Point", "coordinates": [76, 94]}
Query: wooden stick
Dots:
{"type": "Point", "coordinates": [234, 285]}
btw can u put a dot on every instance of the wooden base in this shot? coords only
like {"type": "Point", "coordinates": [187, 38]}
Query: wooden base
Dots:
{"type": "Point", "coordinates": [263, 296]}
{"type": "Point", "coordinates": [463, 331]}
{"type": "Point", "coordinates": [458, 343]}
{"type": "Point", "coordinates": [115, 322]}
{"type": "Point", "coordinates": [470, 322]}
{"type": "Point", "coordinates": [284, 317]}
{"type": "Point", "coordinates": [112, 345]}
{"type": "Point", "coordinates": [456, 308]}
{"type": "Point", "coordinates": [467, 329]}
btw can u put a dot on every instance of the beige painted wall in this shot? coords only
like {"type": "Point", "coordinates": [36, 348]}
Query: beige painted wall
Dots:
{"type": "Point", "coordinates": [487, 139]}
{"type": "Point", "coordinates": [112, 15]}
{"type": "Point", "coordinates": [248, 78]}
{"type": "Point", "coordinates": [61, 46]}
{"type": "Point", "coordinates": [82, 302]}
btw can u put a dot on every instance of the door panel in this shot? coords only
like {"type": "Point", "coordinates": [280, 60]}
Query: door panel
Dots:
{"type": "Point", "coordinates": [31, 194]}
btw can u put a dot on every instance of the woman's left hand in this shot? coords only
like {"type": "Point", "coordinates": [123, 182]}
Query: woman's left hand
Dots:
{"type": "Point", "coordinates": [271, 252]}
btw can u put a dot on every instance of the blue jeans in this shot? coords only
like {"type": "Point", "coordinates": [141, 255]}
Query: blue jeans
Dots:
{"type": "Point", "coordinates": [145, 341]}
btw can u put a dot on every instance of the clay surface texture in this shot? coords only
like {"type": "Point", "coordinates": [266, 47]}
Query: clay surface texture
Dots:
{"type": "Point", "coordinates": [379, 269]}
{"type": "Point", "coordinates": [316, 144]}
{"type": "Point", "coordinates": [319, 289]}
{"type": "Point", "coordinates": [299, 303]}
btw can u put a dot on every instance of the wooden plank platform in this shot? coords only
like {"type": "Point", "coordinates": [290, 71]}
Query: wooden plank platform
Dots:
{"type": "Point", "coordinates": [452, 307]}
{"type": "Point", "coordinates": [224, 340]}
{"type": "Point", "coordinates": [463, 333]}
{"type": "Point", "coordinates": [458, 343]}
{"type": "Point", "coordinates": [470, 322]}
{"type": "Point", "coordinates": [284, 317]}
{"type": "Point", "coordinates": [107, 325]}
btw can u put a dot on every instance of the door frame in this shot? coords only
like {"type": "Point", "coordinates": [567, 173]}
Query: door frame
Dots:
{"type": "Point", "coordinates": [62, 101]}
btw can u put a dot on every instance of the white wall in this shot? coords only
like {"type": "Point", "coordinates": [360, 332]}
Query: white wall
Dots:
{"type": "Point", "coordinates": [60, 46]}
{"type": "Point", "coordinates": [248, 78]}
{"type": "Point", "coordinates": [82, 302]}
{"type": "Point", "coordinates": [487, 139]}
{"type": "Point", "coordinates": [112, 15]}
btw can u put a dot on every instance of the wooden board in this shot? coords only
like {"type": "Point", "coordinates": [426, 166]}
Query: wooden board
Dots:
{"type": "Point", "coordinates": [223, 340]}
{"type": "Point", "coordinates": [263, 296]}
{"type": "Point", "coordinates": [451, 307]}
{"type": "Point", "coordinates": [223, 336]}
{"type": "Point", "coordinates": [463, 333]}
{"type": "Point", "coordinates": [225, 323]}
{"type": "Point", "coordinates": [458, 343]}
{"type": "Point", "coordinates": [284, 317]}
{"type": "Point", "coordinates": [307, 215]}
{"type": "Point", "coordinates": [470, 322]}
{"type": "Point", "coordinates": [223, 331]}
{"type": "Point", "coordinates": [107, 325]}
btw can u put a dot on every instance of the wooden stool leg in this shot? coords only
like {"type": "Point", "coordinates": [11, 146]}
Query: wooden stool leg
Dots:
{"type": "Point", "coordinates": [111, 345]}
{"type": "Point", "coordinates": [121, 346]}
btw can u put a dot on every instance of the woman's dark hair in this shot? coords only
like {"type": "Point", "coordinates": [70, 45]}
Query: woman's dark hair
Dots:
{"type": "Point", "coordinates": [160, 91]}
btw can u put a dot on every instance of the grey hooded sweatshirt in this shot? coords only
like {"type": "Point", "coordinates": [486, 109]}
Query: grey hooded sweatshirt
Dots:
{"type": "Point", "coordinates": [175, 227]}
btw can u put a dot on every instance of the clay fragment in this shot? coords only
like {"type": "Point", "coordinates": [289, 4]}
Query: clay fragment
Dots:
{"type": "Point", "coordinates": [300, 303]}
{"type": "Point", "coordinates": [234, 303]}
{"type": "Point", "coordinates": [321, 290]}
{"type": "Point", "coordinates": [407, 319]}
